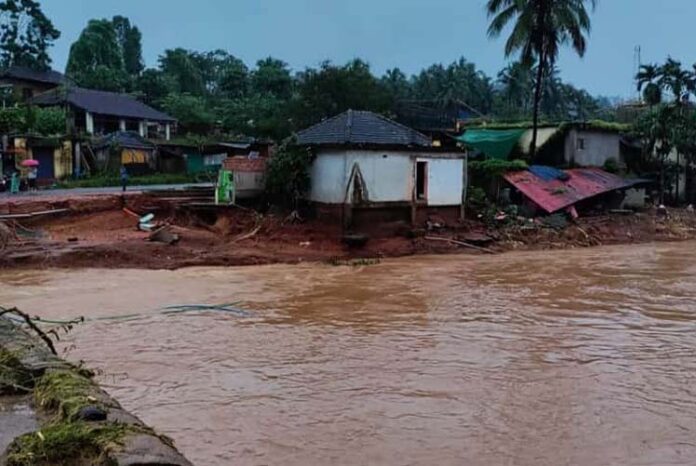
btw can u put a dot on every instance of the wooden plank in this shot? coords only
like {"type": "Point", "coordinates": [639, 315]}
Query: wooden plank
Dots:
{"type": "Point", "coordinates": [32, 214]}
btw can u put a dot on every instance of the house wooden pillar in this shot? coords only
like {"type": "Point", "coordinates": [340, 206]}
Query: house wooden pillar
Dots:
{"type": "Point", "coordinates": [89, 123]}
{"type": "Point", "coordinates": [121, 124]}
{"type": "Point", "coordinates": [142, 128]}
{"type": "Point", "coordinates": [78, 159]}
{"type": "Point", "coordinates": [167, 131]}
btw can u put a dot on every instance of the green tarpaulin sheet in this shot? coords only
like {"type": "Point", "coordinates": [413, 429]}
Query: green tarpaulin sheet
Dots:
{"type": "Point", "coordinates": [494, 143]}
{"type": "Point", "coordinates": [194, 163]}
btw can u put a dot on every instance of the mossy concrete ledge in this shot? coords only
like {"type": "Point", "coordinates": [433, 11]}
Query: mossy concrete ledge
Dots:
{"type": "Point", "coordinates": [80, 424]}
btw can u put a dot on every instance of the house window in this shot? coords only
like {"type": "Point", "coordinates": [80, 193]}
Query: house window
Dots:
{"type": "Point", "coordinates": [214, 159]}
{"type": "Point", "coordinates": [421, 180]}
{"type": "Point", "coordinates": [581, 144]}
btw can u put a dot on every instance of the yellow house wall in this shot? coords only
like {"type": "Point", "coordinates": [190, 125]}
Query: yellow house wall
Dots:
{"type": "Point", "coordinates": [133, 156]}
{"type": "Point", "coordinates": [21, 154]}
{"type": "Point", "coordinates": [62, 160]}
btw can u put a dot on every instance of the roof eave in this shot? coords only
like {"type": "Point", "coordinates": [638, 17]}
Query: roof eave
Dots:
{"type": "Point", "coordinates": [378, 147]}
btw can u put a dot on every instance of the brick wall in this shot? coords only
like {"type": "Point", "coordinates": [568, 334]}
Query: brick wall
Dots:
{"type": "Point", "coordinates": [241, 163]}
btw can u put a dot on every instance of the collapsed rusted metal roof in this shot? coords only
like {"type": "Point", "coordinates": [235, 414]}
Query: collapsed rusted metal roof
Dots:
{"type": "Point", "coordinates": [552, 189]}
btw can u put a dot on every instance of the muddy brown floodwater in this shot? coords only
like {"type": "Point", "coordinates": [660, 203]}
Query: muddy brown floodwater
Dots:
{"type": "Point", "coordinates": [583, 357]}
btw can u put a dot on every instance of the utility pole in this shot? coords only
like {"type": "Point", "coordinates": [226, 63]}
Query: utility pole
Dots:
{"type": "Point", "coordinates": [637, 62]}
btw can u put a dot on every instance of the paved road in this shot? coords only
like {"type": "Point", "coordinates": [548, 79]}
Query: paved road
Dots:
{"type": "Point", "coordinates": [92, 191]}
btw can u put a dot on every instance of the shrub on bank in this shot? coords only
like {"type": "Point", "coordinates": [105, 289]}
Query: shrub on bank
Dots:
{"type": "Point", "coordinates": [107, 180]}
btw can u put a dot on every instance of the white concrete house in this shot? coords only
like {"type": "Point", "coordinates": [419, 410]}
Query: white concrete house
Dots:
{"type": "Point", "coordinates": [588, 147]}
{"type": "Point", "coordinates": [367, 168]}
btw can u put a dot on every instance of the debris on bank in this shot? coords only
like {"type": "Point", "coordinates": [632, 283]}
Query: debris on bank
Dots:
{"type": "Point", "coordinates": [80, 423]}
{"type": "Point", "coordinates": [108, 233]}
{"type": "Point", "coordinates": [553, 190]}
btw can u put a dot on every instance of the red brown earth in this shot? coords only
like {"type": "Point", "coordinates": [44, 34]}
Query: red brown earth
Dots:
{"type": "Point", "coordinates": [98, 232]}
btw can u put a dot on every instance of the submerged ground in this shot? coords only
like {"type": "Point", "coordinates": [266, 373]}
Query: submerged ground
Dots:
{"type": "Point", "coordinates": [579, 357]}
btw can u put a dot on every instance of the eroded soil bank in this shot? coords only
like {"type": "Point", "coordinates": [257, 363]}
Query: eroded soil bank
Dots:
{"type": "Point", "coordinates": [102, 232]}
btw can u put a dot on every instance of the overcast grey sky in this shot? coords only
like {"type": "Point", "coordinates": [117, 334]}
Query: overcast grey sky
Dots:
{"type": "Point", "coordinates": [409, 34]}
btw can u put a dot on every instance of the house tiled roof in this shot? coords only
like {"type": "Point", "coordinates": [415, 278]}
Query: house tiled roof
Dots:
{"type": "Point", "coordinates": [361, 128]}
{"type": "Point", "coordinates": [126, 139]}
{"type": "Point", "coordinates": [28, 74]}
{"type": "Point", "coordinates": [101, 102]}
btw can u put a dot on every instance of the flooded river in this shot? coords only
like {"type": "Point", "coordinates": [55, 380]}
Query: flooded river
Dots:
{"type": "Point", "coordinates": [584, 357]}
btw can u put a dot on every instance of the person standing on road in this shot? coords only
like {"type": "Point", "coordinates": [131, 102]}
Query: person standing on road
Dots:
{"type": "Point", "coordinates": [124, 177]}
{"type": "Point", "coordinates": [32, 174]}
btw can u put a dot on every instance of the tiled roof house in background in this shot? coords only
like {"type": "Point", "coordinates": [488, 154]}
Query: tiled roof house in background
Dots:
{"type": "Point", "coordinates": [101, 112]}
{"type": "Point", "coordinates": [27, 82]}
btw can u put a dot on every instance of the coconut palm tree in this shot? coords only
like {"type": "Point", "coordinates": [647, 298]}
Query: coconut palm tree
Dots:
{"type": "Point", "coordinates": [678, 81]}
{"type": "Point", "coordinates": [540, 28]}
{"type": "Point", "coordinates": [647, 78]}
{"type": "Point", "coordinates": [516, 83]}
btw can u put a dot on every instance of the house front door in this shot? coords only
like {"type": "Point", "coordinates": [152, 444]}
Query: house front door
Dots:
{"type": "Point", "coordinates": [44, 155]}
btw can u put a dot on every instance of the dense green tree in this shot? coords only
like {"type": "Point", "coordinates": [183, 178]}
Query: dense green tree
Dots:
{"type": "Point", "coordinates": [192, 112]}
{"type": "Point", "coordinates": [152, 86]}
{"type": "Point", "coordinates": [397, 85]}
{"type": "Point", "coordinates": [680, 83]}
{"type": "Point", "coordinates": [668, 131]}
{"type": "Point", "coordinates": [458, 81]}
{"type": "Point", "coordinates": [540, 28]}
{"type": "Point", "coordinates": [95, 59]}
{"type": "Point", "coordinates": [257, 115]}
{"type": "Point", "coordinates": [287, 176]}
{"type": "Point", "coordinates": [183, 69]}
{"type": "Point", "coordinates": [515, 84]}
{"type": "Point", "coordinates": [222, 74]}
{"type": "Point", "coordinates": [129, 40]}
{"type": "Point", "coordinates": [273, 77]}
{"type": "Point", "coordinates": [25, 34]}
{"type": "Point", "coordinates": [233, 80]}
{"type": "Point", "coordinates": [331, 89]}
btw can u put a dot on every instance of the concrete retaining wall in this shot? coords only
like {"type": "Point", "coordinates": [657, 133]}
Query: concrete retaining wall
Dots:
{"type": "Point", "coordinates": [137, 444]}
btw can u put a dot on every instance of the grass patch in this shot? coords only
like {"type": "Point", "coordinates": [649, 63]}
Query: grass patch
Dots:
{"type": "Point", "coordinates": [67, 444]}
{"type": "Point", "coordinates": [14, 378]}
{"type": "Point", "coordinates": [65, 392]}
{"type": "Point", "coordinates": [109, 180]}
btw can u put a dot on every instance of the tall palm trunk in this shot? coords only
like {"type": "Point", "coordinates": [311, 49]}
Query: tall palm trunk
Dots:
{"type": "Point", "coordinates": [537, 101]}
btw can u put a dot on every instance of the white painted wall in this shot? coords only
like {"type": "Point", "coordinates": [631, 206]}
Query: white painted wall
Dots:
{"type": "Point", "coordinates": [445, 181]}
{"type": "Point", "coordinates": [543, 136]}
{"type": "Point", "coordinates": [600, 146]}
{"type": "Point", "coordinates": [388, 176]}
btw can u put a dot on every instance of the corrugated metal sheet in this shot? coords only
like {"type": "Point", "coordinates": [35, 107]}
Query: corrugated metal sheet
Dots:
{"type": "Point", "coordinates": [552, 192]}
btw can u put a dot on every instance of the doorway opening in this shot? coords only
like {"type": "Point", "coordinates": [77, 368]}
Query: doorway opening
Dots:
{"type": "Point", "coordinates": [421, 180]}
